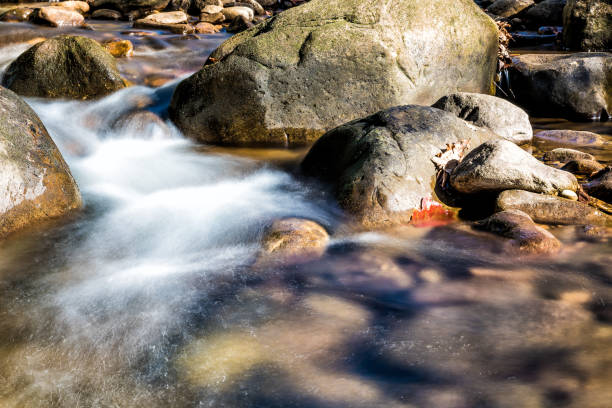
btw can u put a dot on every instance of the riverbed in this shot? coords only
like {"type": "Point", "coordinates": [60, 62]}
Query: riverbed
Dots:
{"type": "Point", "coordinates": [150, 297]}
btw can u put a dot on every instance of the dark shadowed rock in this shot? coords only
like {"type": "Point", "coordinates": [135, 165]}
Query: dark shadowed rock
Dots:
{"type": "Point", "coordinates": [106, 14]}
{"type": "Point", "coordinates": [547, 209]}
{"type": "Point", "coordinates": [600, 185]}
{"type": "Point", "coordinates": [525, 235]}
{"type": "Point", "coordinates": [35, 181]}
{"type": "Point", "coordinates": [64, 67]}
{"type": "Point", "coordinates": [509, 8]}
{"type": "Point", "coordinates": [582, 166]}
{"type": "Point", "coordinates": [501, 165]}
{"type": "Point", "coordinates": [313, 67]}
{"type": "Point", "coordinates": [587, 25]}
{"type": "Point", "coordinates": [129, 5]}
{"type": "Point", "coordinates": [546, 13]}
{"type": "Point", "coordinates": [381, 167]}
{"type": "Point", "coordinates": [574, 86]}
{"type": "Point", "coordinates": [502, 117]}
{"type": "Point", "coordinates": [564, 155]}
{"type": "Point", "coordinates": [17, 14]}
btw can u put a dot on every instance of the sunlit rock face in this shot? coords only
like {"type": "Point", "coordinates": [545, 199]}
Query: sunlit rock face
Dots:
{"type": "Point", "coordinates": [35, 182]}
{"type": "Point", "coordinates": [313, 67]}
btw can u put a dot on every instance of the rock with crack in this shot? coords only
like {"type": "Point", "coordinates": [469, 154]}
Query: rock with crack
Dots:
{"type": "Point", "coordinates": [288, 80]}
{"type": "Point", "coordinates": [502, 117]}
{"type": "Point", "coordinates": [381, 167]}
{"type": "Point", "coordinates": [35, 181]}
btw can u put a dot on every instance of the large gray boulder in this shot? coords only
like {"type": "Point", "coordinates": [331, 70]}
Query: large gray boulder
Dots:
{"type": "Point", "coordinates": [64, 67]}
{"type": "Point", "coordinates": [575, 86]}
{"type": "Point", "coordinates": [501, 165]}
{"type": "Point", "coordinates": [587, 25]}
{"type": "Point", "coordinates": [35, 181]}
{"type": "Point", "coordinates": [316, 66]}
{"type": "Point", "coordinates": [381, 167]}
{"type": "Point", "coordinates": [502, 117]}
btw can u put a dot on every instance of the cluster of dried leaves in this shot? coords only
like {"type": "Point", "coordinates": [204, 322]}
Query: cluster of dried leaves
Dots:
{"type": "Point", "coordinates": [503, 53]}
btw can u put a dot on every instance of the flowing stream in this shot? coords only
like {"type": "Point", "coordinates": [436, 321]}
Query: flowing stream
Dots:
{"type": "Point", "coordinates": [149, 297]}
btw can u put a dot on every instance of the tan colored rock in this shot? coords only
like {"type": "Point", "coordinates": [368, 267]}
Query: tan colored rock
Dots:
{"type": "Point", "coordinates": [212, 9]}
{"type": "Point", "coordinates": [119, 48]}
{"type": "Point", "coordinates": [78, 6]}
{"type": "Point", "coordinates": [215, 18]}
{"type": "Point", "coordinates": [35, 181]}
{"type": "Point", "coordinates": [59, 17]}
{"type": "Point", "coordinates": [174, 28]}
{"type": "Point", "coordinates": [206, 28]}
{"type": "Point", "coordinates": [170, 17]}
{"type": "Point", "coordinates": [231, 13]}
{"type": "Point", "coordinates": [547, 209]}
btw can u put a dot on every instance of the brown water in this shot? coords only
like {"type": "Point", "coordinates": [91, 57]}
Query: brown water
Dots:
{"type": "Point", "coordinates": [148, 298]}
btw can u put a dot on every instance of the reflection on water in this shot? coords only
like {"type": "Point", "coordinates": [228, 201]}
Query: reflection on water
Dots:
{"type": "Point", "coordinates": [148, 297]}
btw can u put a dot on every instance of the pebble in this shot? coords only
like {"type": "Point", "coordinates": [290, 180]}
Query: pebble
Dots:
{"type": "Point", "coordinates": [569, 194]}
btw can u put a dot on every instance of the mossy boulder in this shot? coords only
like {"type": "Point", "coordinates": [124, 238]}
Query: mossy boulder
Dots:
{"type": "Point", "coordinates": [35, 181]}
{"type": "Point", "coordinates": [290, 79]}
{"type": "Point", "coordinates": [587, 25]}
{"type": "Point", "coordinates": [64, 67]}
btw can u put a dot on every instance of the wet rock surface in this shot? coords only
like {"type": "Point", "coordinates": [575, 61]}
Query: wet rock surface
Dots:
{"type": "Point", "coordinates": [546, 209]}
{"type": "Point", "coordinates": [499, 115]}
{"type": "Point", "coordinates": [501, 165]}
{"type": "Point", "coordinates": [265, 85]}
{"type": "Point", "coordinates": [600, 185]}
{"type": "Point", "coordinates": [526, 236]}
{"type": "Point", "coordinates": [381, 167]}
{"type": "Point", "coordinates": [36, 182]}
{"type": "Point", "coordinates": [564, 155]}
{"type": "Point", "coordinates": [64, 67]}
